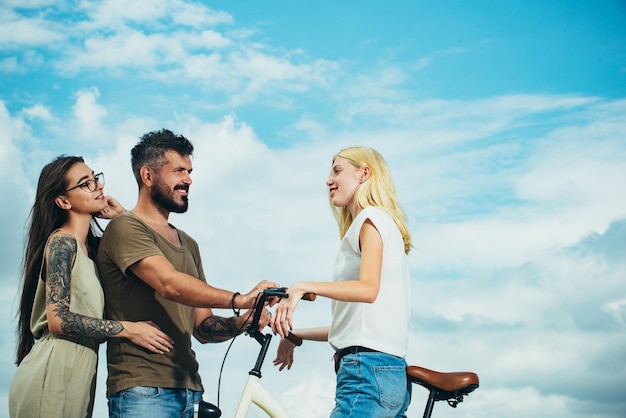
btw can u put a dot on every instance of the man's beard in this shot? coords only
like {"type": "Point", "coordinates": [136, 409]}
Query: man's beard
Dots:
{"type": "Point", "coordinates": [164, 197]}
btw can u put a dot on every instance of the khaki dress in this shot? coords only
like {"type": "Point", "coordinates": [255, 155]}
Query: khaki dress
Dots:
{"type": "Point", "coordinates": [57, 379]}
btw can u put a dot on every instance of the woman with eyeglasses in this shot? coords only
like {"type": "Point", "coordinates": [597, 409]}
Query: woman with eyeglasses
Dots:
{"type": "Point", "coordinates": [61, 310]}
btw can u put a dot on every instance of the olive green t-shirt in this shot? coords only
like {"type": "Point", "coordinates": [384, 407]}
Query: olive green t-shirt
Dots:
{"type": "Point", "coordinates": [127, 240]}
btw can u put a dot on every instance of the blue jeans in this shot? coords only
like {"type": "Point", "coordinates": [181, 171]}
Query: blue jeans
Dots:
{"type": "Point", "coordinates": [372, 385]}
{"type": "Point", "coordinates": [151, 402]}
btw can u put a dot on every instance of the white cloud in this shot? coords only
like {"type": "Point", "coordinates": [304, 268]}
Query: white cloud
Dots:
{"type": "Point", "coordinates": [116, 13]}
{"type": "Point", "coordinates": [38, 112]}
{"type": "Point", "coordinates": [194, 51]}
{"type": "Point", "coordinates": [311, 398]}
{"type": "Point", "coordinates": [127, 48]}
{"type": "Point", "coordinates": [617, 308]}
{"type": "Point", "coordinates": [28, 4]}
{"type": "Point", "coordinates": [89, 113]}
{"type": "Point", "coordinates": [210, 39]}
{"type": "Point", "coordinates": [453, 119]}
{"type": "Point", "coordinates": [198, 15]}
{"type": "Point", "coordinates": [17, 32]}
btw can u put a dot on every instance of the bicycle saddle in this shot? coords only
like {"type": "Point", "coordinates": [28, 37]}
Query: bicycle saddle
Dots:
{"type": "Point", "coordinates": [207, 410]}
{"type": "Point", "coordinates": [446, 385]}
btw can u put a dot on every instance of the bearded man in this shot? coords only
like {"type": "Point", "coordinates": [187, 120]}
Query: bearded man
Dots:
{"type": "Point", "coordinates": [152, 271]}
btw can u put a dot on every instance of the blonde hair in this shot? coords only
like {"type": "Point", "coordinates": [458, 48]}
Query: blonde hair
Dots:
{"type": "Point", "coordinates": [376, 191]}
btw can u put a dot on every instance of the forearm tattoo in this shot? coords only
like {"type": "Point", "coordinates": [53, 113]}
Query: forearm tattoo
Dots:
{"type": "Point", "coordinates": [215, 329]}
{"type": "Point", "coordinates": [62, 254]}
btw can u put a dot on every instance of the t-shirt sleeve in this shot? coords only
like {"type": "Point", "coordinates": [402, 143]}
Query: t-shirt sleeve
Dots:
{"type": "Point", "coordinates": [127, 240]}
{"type": "Point", "coordinates": [376, 217]}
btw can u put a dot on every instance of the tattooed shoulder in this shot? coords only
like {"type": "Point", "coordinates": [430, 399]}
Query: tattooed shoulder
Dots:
{"type": "Point", "coordinates": [61, 255]}
{"type": "Point", "coordinates": [63, 247]}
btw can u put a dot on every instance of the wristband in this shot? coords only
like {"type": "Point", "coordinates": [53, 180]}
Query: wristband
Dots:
{"type": "Point", "coordinates": [232, 304]}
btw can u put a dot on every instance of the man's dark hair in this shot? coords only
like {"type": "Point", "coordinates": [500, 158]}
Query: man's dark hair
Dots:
{"type": "Point", "coordinates": [151, 148]}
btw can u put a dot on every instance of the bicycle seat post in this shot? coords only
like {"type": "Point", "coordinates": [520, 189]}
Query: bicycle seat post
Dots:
{"type": "Point", "coordinates": [430, 404]}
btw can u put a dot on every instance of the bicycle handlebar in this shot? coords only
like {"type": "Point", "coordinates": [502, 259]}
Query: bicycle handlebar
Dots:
{"type": "Point", "coordinates": [281, 293]}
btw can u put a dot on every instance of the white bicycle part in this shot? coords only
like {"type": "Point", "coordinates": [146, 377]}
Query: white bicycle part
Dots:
{"type": "Point", "coordinates": [254, 393]}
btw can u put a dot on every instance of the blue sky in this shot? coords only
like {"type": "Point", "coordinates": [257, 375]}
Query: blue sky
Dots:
{"type": "Point", "coordinates": [504, 125]}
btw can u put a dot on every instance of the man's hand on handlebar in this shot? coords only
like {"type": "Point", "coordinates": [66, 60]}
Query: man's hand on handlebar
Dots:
{"type": "Point", "coordinates": [248, 300]}
{"type": "Point", "coordinates": [264, 319]}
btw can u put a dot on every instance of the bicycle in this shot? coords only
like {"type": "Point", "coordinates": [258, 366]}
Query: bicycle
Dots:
{"type": "Point", "coordinates": [451, 387]}
{"type": "Point", "coordinates": [253, 392]}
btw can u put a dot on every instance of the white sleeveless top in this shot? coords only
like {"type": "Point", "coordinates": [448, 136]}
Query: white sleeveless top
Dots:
{"type": "Point", "coordinates": [384, 324]}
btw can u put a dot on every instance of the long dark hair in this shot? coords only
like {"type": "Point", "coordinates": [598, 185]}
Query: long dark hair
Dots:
{"type": "Point", "coordinates": [45, 217]}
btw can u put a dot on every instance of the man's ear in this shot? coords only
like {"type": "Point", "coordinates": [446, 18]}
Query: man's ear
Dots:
{"type": "Point", "coordinates": [147, 175]}
{"type": "Point", "coordinates": [365, 174]}
{"type": "Point", "coordinates": [63, 203]}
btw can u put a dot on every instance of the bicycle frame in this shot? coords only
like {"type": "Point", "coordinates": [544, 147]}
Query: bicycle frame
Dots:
{"type": "Point", "coordinates": [253, 391]}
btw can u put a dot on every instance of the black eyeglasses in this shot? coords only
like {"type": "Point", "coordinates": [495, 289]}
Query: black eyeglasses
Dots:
{"type": "Point", "coordinates": [90, 185]}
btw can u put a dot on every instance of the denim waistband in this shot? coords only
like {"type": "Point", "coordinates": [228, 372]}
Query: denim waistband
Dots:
{"type": "Point", "coordinates": [353, 350]}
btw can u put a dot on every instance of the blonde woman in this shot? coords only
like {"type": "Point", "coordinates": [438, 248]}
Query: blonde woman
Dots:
{"type": "Point", "coordinates": [370, 294]}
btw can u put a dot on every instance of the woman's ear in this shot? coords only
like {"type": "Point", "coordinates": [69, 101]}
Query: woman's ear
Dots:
{"type": "Point", "coordinates": [63, 203]}
{"type": "Point", "coordinates": [365, 174]}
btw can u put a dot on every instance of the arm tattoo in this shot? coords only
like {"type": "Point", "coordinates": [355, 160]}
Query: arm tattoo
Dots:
{"type": "Point", "coordinates": [215, 329]}
{"type": "Point", "coordinates": [62, 255]}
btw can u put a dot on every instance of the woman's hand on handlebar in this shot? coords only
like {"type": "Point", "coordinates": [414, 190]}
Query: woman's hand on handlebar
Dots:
{"type": "Point", "coordinates": [281, 321]}
{"type": "Point", "coordinates": [284, 354]}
